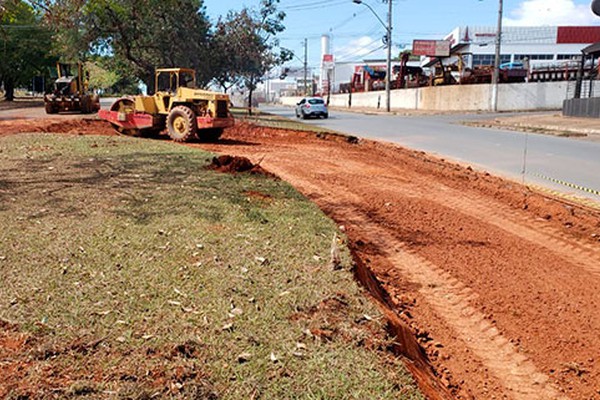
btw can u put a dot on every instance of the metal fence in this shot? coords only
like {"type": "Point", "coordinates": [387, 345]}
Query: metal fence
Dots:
{"type": "Point", "coordinates": [583, 95]}
{"type": "Point", "coordinates": [588, 88]}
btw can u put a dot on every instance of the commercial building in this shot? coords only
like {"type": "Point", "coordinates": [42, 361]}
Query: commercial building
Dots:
{"type": "Point", "coordinates": [538, 46]}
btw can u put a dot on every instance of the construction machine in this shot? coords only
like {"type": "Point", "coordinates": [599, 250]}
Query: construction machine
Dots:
{"type": "Point", "coordinates": [177, 105]}
{"type": "Point", "coordinates": [71, 92]}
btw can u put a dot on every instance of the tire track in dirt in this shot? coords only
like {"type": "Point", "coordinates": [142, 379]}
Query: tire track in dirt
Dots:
{"type": "Point", "coordinates": [544, 236]}
{"type": "Point", "coordinates": [450, 299]}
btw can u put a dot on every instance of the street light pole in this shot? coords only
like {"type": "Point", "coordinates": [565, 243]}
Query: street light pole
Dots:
{"type": "Point", "coordinates": [388, 75]}
{"type": "Point", "coordinates": [496, 76]}
{"type": "Point", "coordinates": [305, 66]}
{"type": "Point", "coordinates": [388, 42]}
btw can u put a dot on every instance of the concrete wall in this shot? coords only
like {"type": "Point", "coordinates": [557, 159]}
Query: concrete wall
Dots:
{"type": "Point", "coordinates": [532, 96]}
{"type": "Point", "coordinates": [511, 97]}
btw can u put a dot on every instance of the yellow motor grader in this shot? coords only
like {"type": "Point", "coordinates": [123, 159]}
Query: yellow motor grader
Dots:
{"type": "Point", "coordinates": [177, 105]}
{"type": "Point", "coordinates": [71, 92]}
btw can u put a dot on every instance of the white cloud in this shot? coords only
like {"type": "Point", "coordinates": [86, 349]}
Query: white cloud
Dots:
{"type": "Point", "coordinates": [551, 12]}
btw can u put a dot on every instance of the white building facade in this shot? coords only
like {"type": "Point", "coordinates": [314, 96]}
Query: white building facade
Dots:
{"type": "Point", "coordinates": [540, 46]}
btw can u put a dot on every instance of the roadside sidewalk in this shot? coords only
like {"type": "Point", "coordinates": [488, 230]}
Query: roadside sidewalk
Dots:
{"type": "Point", "coordinates": [551, 123]}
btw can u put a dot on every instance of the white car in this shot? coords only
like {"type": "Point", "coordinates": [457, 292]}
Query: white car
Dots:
{"type": "Point", "coordinates": [311, 107]}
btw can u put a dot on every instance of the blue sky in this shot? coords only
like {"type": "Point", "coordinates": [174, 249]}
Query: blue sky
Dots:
{"type": "Point", "coordinates": [356, 33]}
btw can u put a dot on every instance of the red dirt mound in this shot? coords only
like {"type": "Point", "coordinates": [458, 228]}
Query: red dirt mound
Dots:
{"type": "Point", "coordinates": [233, 164]}
{"type": "Point", "coordinates": [70, 126]}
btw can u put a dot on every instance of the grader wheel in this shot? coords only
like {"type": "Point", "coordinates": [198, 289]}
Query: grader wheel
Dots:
{"type": "Point", "coordinates": [50, 108]}
{"type": "Point", "coordinates": [181, 123]}
{"type": "Point", "coordinates": [85, 104]}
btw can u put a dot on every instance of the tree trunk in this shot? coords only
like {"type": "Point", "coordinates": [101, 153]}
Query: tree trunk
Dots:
{"type": "Point", "coordinates": [250, 91]}
{"type": "Point", "coordinates": [9, 90]}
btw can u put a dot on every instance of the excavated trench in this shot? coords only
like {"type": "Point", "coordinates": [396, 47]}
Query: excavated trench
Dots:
{"type": "Point", "coordinates": [405, 341]}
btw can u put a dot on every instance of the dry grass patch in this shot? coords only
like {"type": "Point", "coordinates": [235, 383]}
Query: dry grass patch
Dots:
{"type": "Point", "coordinates": [129, 270]}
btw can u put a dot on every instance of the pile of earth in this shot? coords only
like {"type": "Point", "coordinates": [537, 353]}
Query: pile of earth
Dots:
{"type": "Point", "coordinates": [234, 164]}
{"type": "Point", "coordinates": [70, 126]}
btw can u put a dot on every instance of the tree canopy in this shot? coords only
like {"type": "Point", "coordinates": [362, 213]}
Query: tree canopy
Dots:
{"type": "Point", "coordinates": [24, 46]}
{"type": "Point", "coordinates": [248, 40]}
{"type": "Point", "coordinates": [134, 37]}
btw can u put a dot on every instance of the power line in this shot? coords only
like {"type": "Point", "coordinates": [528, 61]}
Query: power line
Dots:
{"type": "Point", "coordinates": [312, 6]}
{"type": "Point", "coordinates": [359, 50]}
{"type": "Point", "coordinates": [348, 58]}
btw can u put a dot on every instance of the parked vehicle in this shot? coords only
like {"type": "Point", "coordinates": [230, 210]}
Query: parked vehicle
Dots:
{"type": "Point", "coordinates": [311, 107]}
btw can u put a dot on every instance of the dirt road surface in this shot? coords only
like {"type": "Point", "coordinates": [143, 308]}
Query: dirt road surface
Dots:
{"type": "Point", "coordinates": [500, 286]}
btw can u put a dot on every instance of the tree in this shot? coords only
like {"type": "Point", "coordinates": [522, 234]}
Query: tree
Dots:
{"type": "Point", "coordinates": [139, 35]}
{"type": "Point", "coordinates": [264, 52]}
{"type": "Point", "coordinates": [226, 45]}
{"type": "Point", "coordinates": [147, 34]}
{"type": "Point", "coordinates": [245, 47]}
{"type": "Point", "coordinates": [101, 78]}
{"type": "Point", "coordinates": [68, 22]}
{"type": "Point", "coordinates": [24, 46]}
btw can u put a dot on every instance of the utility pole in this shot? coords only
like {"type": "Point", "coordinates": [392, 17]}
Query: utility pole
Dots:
{"type": "Point", "coordinates": [388, 43]}
{"type": "Point", "coordinates": [496, 76]}
{"type": "Point", "coordinates": [388, 75]}
{"type": "Point", "coordinates": [305, 66]}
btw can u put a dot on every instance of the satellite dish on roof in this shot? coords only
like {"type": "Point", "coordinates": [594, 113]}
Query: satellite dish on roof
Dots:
{"type": "Point", "coordinates": [596, 7]}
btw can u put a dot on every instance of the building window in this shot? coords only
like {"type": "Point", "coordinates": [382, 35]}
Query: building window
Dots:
{"type": "Point", "coordinates": [488, 59]}
{"type": "Point", "coordinates": [530, 57]}
{"type": "Point", "coordinates": [574, 57]}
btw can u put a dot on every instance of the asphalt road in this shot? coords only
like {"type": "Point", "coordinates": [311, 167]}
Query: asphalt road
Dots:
{"type": "Point", "coordinates": [548, 159]}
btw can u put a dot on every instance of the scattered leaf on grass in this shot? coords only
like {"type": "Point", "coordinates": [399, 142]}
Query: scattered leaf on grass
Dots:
{"type": "Point", "coordinates": [227, 327]}
{"type": "Point", "coordinates": [237, 311]}
{"type": "Point", "coordinates": [174, 303]}
{"type": "Point", "coordinates": [273, 357]}
{"type": "Point", "coordinates": [244, 357]}
{"type": "Point", "coordinates": [147, 337]}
